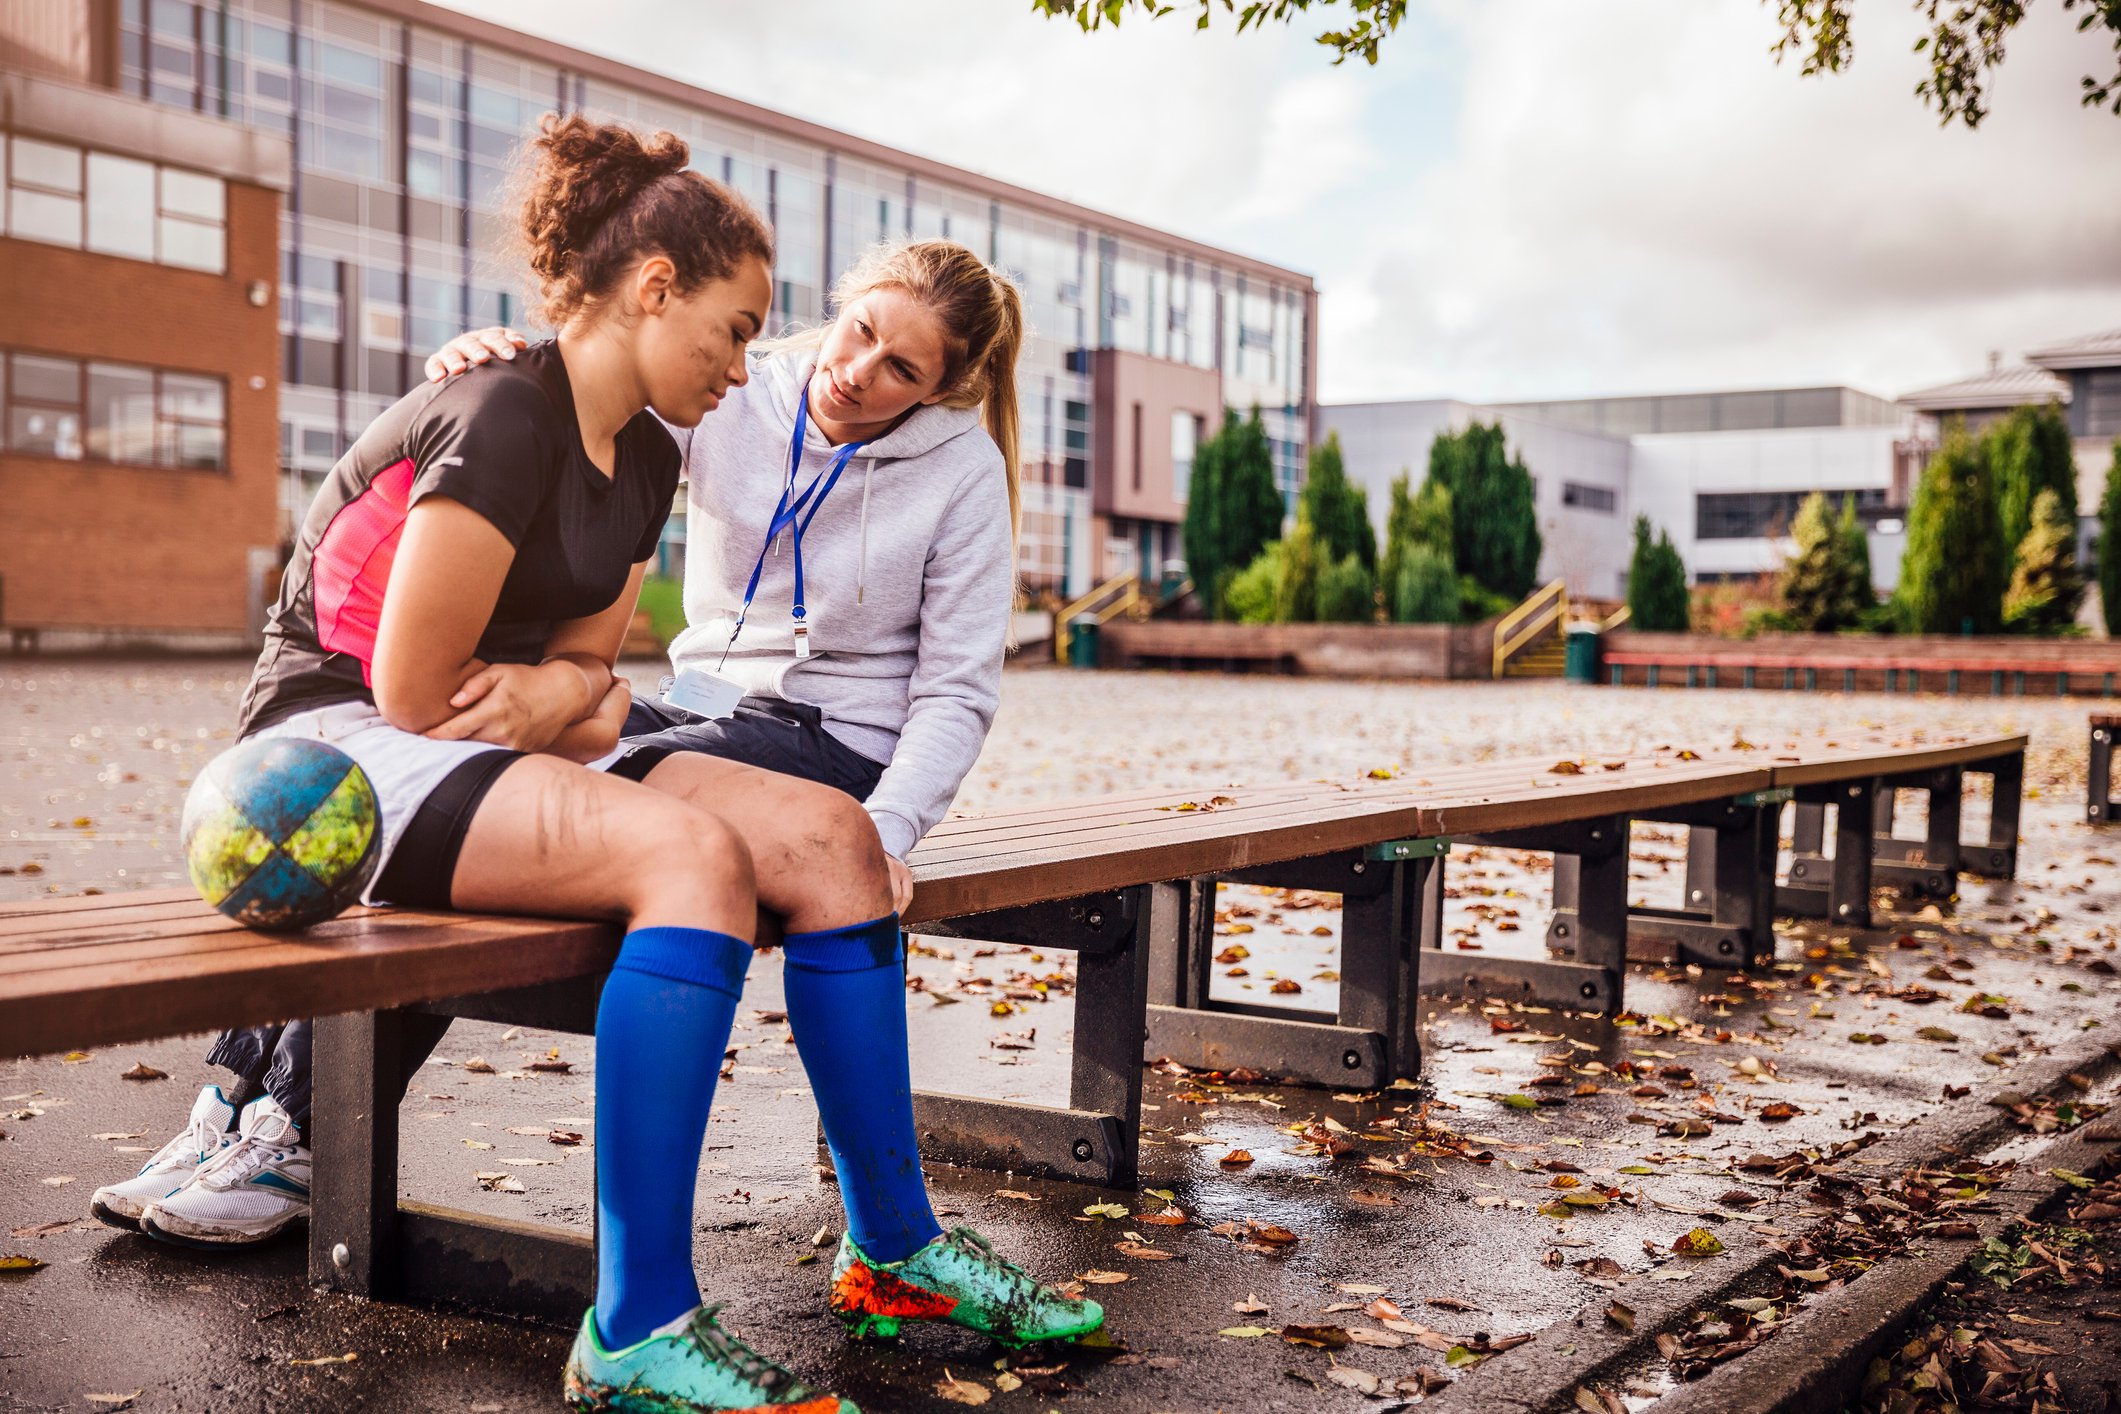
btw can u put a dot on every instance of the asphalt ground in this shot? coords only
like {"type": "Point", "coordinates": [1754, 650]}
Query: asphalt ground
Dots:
{"type": "Point", "coordinates": [1435, 1208]}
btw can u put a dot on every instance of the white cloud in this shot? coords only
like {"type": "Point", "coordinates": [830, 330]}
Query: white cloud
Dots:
{"type": "Point", "coordinates": [1544, 199]}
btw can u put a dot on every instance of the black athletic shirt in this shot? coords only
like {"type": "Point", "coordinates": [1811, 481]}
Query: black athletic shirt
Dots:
{"type": "Point", "coordinates": [502, 440]}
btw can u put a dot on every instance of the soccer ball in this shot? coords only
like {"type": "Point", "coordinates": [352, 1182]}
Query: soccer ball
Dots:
{"type": "Point", "coordinates": [281, 832]}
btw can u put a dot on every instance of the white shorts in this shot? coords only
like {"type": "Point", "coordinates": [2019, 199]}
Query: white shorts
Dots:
{"type": "Point", "coordinates": [403, 767]}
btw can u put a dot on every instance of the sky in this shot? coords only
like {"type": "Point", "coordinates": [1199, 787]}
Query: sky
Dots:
{"type": "Point", "coordinates": [1524, 199]}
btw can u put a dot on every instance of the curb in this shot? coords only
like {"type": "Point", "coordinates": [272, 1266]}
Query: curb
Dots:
{"type": "Point", "coordinates": [1600, 1352]}
{"type": "Point", "coordinates": [1822, 1355]}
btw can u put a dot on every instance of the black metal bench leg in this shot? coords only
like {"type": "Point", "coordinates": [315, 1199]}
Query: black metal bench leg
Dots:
{"type": "Point", "coordinates": [1111, 1009]}
{"type": "Point", "coordinates": [1849, 892]}
{"type": "Point", "coordinates": [1588, 929]}
{"type": "Point", "coordinates": [1998, 858]}
{"type": "Point", "coordinates": [353, 1141]}
{"type": "Point", "coordinates": [1929, 866]}
{"type": "Point", "coordinates": [2098, 806]}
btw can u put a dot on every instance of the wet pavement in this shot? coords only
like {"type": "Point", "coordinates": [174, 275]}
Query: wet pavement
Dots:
{"type": "Point", "coordinates": [1429, 1198]}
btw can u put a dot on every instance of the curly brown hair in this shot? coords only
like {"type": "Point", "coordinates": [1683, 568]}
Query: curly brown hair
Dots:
{"type": "Point", "coordinates": [597, 198]}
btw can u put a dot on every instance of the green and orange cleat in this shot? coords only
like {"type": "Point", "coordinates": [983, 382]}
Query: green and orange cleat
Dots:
{"type": "Point", "coordinates": [959, 1279]}
{"type": "Point", "coordinates": [690, 1366]}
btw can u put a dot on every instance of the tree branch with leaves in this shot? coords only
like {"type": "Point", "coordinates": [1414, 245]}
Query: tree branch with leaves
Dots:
{"type": "Point", "coordinates": [1964, 42]}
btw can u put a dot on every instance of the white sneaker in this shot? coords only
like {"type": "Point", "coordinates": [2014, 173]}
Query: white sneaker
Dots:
{"type": "Point", "coordinates": [212, 1129]}
{"type": "Point", "coordinates": [244, 1194]}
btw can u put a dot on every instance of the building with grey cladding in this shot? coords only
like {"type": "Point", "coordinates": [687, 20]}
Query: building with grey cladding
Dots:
{"type": "Point", "coordinates": [404, 117]}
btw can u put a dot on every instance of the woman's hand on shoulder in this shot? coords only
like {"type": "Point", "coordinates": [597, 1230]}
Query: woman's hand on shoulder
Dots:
{"type": "Point", "coordinates": [468, 350]}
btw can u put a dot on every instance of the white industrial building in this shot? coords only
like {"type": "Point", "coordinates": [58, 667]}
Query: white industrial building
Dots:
{"type": "Point", "coordinates": [1723, 473]}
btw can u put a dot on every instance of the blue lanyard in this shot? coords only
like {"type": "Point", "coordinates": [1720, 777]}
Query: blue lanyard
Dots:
{"type": "Point", "coordinates": [789, 515]}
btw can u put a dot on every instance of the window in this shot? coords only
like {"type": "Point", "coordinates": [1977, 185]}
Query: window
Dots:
{"type": "Point", "coordinates": [116, 206]}
{"type": "Point", "coordinates": [121, 206]}
{"type": "Point", "coordinates": [1747, 515]}
{"type": "Point", "coordinates": [1185, 441]}
{"type": "Point", "coordinates": [115, 412]}
{"type": "Point", "coordinates": [44, 406]}
{"type": "Point", "coordinates": [44, 192]}
{"type": "Point", "coordinates": [1137, 435]}
{"type": "Point", "coordinates": [1589, 498]}
{"type": "Point", "coordinates": [1075, 465]}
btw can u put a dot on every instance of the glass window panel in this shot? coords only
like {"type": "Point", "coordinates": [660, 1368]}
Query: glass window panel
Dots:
{"type": "Point", "coordinates": [388, 286]}
{"type": "Point", "coordinates": [192, 446]}
{"type": "Point", "coordinates": [499, 109]}
{"type": "Point", "coordinates": [430, 87]}
{"type": "Point", "coordinates": [192, 194]}
{"type": "Point", "coordinates": [121, 413]}
{"type": "Point", "coordinates": [171, 62]}
{"type": "Point", "coordinates": [351, 65]}
{"type": "Point", "coordinates": [271, 43]}
{"type": "Point", "coordinates": [44, 432]}
{"type": "Point", "coordinates": [172, 17]}
{"type": "Point", "coordinates": [45, 164]}
{"type": "Point", "coordinates": [343, 105]}
{"type": "Point", "coordinates": [37, 216]}
{"type": "Point", "coordinates": [121, 206]}
{"type": "Point", "coordinates": [46, 380]}
{"type": "Point", "coordinates": [193, 245]}
{"type": "Point", "coordinates": [276, 86]}
{"type": "Point", "coordinates": [430, 173]}
{"type": "Point", "coordinates": [188, 396]}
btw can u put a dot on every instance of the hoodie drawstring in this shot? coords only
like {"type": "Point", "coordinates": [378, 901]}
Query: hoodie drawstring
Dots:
{"type": "Point", "coordinates": [861, 554]}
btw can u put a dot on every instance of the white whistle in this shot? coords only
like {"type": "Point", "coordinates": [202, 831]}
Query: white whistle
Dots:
{"type": "Point", "coordinates": [802, 639]}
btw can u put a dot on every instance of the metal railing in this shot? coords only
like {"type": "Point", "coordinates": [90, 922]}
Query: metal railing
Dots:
{"type": "Point", "coordinates": [1124, 585]}
{"type": "Point", "coordinates": [1530, 621]}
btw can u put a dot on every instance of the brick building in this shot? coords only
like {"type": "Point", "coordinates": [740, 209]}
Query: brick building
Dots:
{"type": "Point", "coordinates": [139, 355]}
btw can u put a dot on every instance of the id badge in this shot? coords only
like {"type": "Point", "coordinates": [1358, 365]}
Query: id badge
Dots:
{"type": "Point", "coordinates": [703, 693]}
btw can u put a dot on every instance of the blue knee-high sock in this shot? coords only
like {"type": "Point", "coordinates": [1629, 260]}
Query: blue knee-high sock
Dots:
{"type": "Point", "coordinates": [662, 1027]}
{"type": "Point", "coordinates": [847, 1007]}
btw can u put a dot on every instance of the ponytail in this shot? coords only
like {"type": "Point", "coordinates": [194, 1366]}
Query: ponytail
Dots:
{"type": "Point", "coordinates": [998, 395]}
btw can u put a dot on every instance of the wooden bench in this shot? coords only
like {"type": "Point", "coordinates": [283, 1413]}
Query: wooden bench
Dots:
{"type": "Point", "coordinates": [2099, 803]}
{"type": "Point", "coordinates": [2006, 676]}
{"type": "Point", "coordinates": [1127, 882]}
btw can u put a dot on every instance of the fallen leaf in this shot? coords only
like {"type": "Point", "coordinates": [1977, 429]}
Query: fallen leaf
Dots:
{"type": "Point", "coordinates": [1621, 1315]}
{"type": "Point", "coordinates": [1697, 1242]}
{"type": "Point", "coordinates": [1236, 1158]}
{"type": "Point", "coordinates": [347, 1359]}
{"type": "Point", "coordinates": [1141, 1250]}
{"type": "Point", "coordinates": [1098, 1278]}
{"type": "Point", "coordinates": [1347, 1376]}
{"type": "Point", "coordinates": [479, 1065]}
{"type": "Point", "coordinates": [1244, 1332]}
{"type": "Point", "coordinates": [1018, 1194]}
{"type": "Point", "coordinates": [143, 1071]}
{"type": "Point", "coordinates": [115, 1401]}
{"type": "Point", "coordinates": [1319, 1337]}
{"type": "Point", "coordinates": [20, 1266]}
{"type": "Point", "coordinates": [959, 1391]}
{"type": "Point", "coordinates": [1250, 1306]}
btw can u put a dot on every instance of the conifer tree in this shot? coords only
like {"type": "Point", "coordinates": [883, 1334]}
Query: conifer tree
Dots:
{"type": "Point", "coordinates": [1658, 601]}
{"type": "Point", "coordinates": [1953, 575]}
{"type": "Point", "coordinates": [2046, 588]}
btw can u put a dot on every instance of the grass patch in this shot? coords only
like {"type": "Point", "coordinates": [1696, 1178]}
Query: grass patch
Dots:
{"type": "Point", "coordinates": [663, 599]}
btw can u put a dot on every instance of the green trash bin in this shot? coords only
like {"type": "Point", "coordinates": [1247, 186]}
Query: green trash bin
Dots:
{"type": "Point", "coordinates": [1082, 644]}
{"type": "Point", "coordinates": [1582, 661]}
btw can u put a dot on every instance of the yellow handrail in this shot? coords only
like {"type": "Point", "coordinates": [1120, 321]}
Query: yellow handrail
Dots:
{"type": "Point", "coordinates": [1072, 608]}
{"type": "Point", "coordinates": [1123, 604]}
{"type": "Point", "coordinates": [1619, 616]}
{"type": "Point", "coordinates": [1550, 604]}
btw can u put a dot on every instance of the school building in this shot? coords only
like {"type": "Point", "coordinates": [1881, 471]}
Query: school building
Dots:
{"type": "Point", "coordinates": [398, 120]}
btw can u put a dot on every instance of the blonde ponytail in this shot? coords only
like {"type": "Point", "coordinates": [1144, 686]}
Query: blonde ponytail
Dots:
{"type": "Point", "coordinates": [998, 378]}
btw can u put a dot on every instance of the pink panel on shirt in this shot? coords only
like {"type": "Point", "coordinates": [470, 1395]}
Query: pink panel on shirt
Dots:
{"type": "Point", "coordinates": [351, 565]}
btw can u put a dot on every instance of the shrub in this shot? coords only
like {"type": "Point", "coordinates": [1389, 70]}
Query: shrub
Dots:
{"type": "Point", "coordinates": [1296, 597]}
{"type": "Point", "coordinates": [1347, 592]}
{"type": "Point", "coordinates": [1494, 527]}
{"type": "Point", "coordinates": [2046, 588]}
{"type": "Point", "coordinates": [1339, 510]}
{"type": "Point", "coordinates": [1827, 584]}
{"type": "Point", "coordinates": [2110, 545]}
{"type": "Point", "coordinates": [1657, 590]}
{"type": "Point", "coordinates": [2029, 452]}
{"type": "Point", "coordinates": [1425, 590]}
{"type": "Point", "coordinates": [1250, 595]}
{"type": "Point", "coordinates": [1953, 576]}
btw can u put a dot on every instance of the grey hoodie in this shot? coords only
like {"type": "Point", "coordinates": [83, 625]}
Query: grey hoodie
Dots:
{"type": "Point", "coordinates": [906, 575]}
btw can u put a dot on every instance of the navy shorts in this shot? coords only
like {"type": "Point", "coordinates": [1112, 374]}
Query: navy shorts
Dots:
{"type": "Point", "coordinates": [788, 737]}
